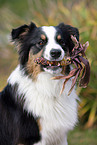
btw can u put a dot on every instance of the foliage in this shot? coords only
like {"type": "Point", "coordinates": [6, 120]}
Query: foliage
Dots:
{"type": "Point", "coordinates": [83, 137]}
{"type": "Point", "coordinates": [81, 14]}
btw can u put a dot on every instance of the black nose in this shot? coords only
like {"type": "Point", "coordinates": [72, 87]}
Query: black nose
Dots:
{"type": "Point", "coordinates": [55, 53]}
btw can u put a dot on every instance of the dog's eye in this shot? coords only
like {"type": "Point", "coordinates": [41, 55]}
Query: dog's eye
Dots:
{"type": "Point", "coordinates": [42, 42]}
{"type": "Point", "coordinates": [62, 42]}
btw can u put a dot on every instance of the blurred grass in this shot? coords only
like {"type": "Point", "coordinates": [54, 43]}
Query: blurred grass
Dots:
{"type": "Point", "coordinates": [81, 14]}
{"type": "Point", "coordinates": [82, 137]}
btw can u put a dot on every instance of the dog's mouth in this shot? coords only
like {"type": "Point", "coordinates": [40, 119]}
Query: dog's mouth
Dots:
{"type": "Point", "coordinates": [48, 63]}
{"type": "Point", "coordinates": [55, 66]}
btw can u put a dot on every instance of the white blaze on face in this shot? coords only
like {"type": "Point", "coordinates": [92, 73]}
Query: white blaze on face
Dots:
{"type": "Point", "coordinates": [50, 32]}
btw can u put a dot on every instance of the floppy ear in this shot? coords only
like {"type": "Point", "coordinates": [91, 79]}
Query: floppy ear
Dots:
{"type": "Point", "coordinates": [21, 31]}
{"type": "Point", "coordinates": [71, 30]}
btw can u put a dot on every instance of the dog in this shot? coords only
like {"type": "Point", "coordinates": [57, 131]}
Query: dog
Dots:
{"type": "Point", "coordinates": [32, 111]}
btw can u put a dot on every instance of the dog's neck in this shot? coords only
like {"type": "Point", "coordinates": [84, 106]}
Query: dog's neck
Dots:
{"type": "Point", "coordinates": [41, 89]}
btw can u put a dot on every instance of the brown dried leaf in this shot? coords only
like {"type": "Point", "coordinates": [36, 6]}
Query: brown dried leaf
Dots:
{"type": "Point", "coordinates": [86, 75]}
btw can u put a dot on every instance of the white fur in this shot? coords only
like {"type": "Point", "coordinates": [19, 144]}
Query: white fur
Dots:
{"type": "Point", "coordinates": [58, 113]}
{"type": "Point", "coordinates": [52, 71]}
{"type": "Point", "coordinates": [50, 32]}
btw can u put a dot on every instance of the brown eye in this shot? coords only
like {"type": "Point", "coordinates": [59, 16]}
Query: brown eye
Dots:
{"type": "Point", "coordinates": [42, 42]}
{"type": "Point", "coordinates": [61, 41]}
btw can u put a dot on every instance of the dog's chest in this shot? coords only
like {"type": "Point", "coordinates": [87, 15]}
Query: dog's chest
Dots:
{"type": "Point", "coordinates": [42, 97]}
{"type": "Point", "coordinates": [57, 112]}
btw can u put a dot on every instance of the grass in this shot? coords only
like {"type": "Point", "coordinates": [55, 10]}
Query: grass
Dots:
{"type": "Point", "coordinates": [82, 137]}
{"type": "Point", "coordinates": [8, 61]}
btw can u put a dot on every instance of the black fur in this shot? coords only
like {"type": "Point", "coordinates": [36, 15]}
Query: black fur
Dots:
{"type": "Point", "coordinates": [16, 32]}
{"type": "Point", "coordinates": [66, 31]}
{"type": "Point", "coordinates": [16, 126]}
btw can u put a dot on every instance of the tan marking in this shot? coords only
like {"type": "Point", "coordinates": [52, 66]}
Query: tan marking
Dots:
{"type": "Point", "coordinates": [43, 37]}
{"type": "Point", "coordinates": [39, 124]}
{"type": "Point", "coordinates": [33, 68]}
{"type": "Point", "coordinates": [59, 37]}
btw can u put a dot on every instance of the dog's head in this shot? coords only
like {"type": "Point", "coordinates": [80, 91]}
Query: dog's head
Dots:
{"type": "Point", "coordinates": [50, 42]}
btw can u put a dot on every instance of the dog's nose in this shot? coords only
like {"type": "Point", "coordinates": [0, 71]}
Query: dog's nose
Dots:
{"type": "Point", "coordinates": [55, 53]}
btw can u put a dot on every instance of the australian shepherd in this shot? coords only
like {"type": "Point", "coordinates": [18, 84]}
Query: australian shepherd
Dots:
{"type": "Point", "coordinates": [32, 111]}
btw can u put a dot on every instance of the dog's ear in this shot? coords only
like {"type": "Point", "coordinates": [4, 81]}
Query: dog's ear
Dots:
{"type": "Point", "coordinates": [71, 30]}
{"type": "Point", "coordinates": [21, 31]}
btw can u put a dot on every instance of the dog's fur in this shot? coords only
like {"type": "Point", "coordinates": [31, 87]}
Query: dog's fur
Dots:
{"type": "Point", "coordinates": [32, 111]}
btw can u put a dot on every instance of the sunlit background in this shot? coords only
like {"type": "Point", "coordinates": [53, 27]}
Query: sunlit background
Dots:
{"type": "Point", "coordinates": [78, 13]}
